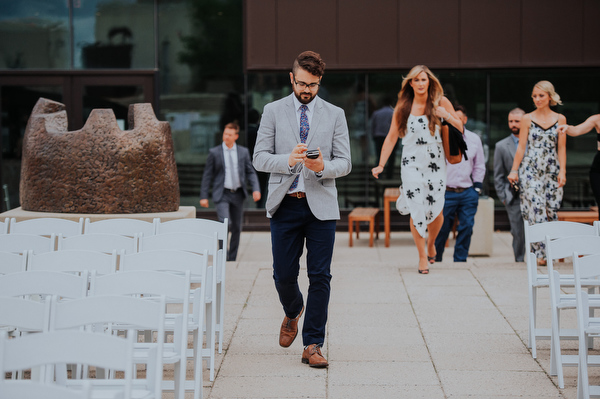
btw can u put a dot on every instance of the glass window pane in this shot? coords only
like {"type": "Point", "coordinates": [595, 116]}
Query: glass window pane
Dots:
{"type": "Point", "coordinates": [34, 34]}
{"type": "Point", "coordinates": [113, 34]}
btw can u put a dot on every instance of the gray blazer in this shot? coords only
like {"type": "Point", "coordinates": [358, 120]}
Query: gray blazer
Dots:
{"type": "Point", "coordinates": [503, 160]}
{"type": "Point", "coordinates": [214, 173]}
{"type": "Point", "coordinates": [279, 133]}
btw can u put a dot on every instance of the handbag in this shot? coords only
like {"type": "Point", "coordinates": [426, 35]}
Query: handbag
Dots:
{"type": "Point", "coordinates": [454, 143]}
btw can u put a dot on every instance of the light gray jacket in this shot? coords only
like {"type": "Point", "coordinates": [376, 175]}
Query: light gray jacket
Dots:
{"type": "Point", "coordinates": [279, 133]}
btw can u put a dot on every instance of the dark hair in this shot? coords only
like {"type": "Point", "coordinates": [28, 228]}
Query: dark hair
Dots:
{"type": "Point", "coordinates": [234, 126]}
{"type": "Point", "coordinates": [461, 108]}
{"type": "Point", "coordinates": [310, 62]}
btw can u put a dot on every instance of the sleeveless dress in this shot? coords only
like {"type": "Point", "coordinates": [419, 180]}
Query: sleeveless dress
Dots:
{"type": "Point", "coordinates": [423, 173]}
{"type": "Point", "coordinates": [538, 178]}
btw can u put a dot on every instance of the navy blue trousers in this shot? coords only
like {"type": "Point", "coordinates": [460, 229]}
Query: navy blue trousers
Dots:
{"type": "Point", "coordinates": [464, 206]}
{"type": "Point", "coordinates": [292, 225]}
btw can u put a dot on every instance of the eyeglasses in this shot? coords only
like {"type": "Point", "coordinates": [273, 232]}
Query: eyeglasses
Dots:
{"type": "Point", "coordinates": [303, 85]}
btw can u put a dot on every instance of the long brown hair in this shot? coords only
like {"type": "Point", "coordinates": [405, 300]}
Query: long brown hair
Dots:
{"type": "Point", "coordinates": [407, 95]}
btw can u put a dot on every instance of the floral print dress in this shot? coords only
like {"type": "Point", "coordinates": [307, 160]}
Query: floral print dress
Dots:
{"type": "Point", "coordinates": [423, 173]}
{"type": "Point", "coordinates": [538, 178]}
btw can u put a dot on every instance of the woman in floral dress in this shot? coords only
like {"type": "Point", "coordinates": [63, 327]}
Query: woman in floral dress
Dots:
{"type": "Point", "coordinates": [540, 161]}
{"type": "Point", "coordinates": [417, 120]}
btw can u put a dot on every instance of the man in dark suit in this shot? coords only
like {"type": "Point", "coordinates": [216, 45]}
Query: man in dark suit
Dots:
{"type": "Point", "coordinates": [302, 201]}
{"type": "Point", "coordinates": [503, 161]}
{"type": "Point", "coordinates": [227, 170]}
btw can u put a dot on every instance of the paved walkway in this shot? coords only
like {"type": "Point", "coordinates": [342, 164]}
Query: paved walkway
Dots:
{"type": "Point", "coordinates": [459, 332]}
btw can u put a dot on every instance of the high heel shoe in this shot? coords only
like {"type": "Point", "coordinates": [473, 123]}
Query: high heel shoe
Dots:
{"type": "Point", "coordinates": [431, 260]}
{"type": "Point", "coordinates": [423, 271]}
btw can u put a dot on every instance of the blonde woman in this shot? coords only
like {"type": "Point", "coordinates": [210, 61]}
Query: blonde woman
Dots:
{"type": "Point", "coordinates": [417, 120]}
{"type": "Point", "coordinates": [540, 161]}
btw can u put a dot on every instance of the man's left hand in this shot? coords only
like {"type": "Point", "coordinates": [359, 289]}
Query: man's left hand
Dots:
{"type": "Point", "coordinates": [256, 196]}
{"type": "Point", "coordinates": [316, 165]}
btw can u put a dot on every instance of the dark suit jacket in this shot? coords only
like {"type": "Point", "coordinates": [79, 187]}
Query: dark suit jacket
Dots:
{"type": "Point", "coordinates": [214, 173]}
{"type": "Point", "coordinates": [503, 160]}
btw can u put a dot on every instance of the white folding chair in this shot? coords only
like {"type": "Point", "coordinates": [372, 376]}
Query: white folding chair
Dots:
{"type": "Point", "coordinates": [102, 242]}
{"type": "Point", "coordinates": [207, 227]}
{"type": "Point", "coordinates": [54, 349]}
{"type": "Point", "coordinates": [152, 284]}
{"type": "Point", "coordinates": [122, 226]}
{"type": "Point", "coordinates": [178, 262]}
{"type": "Point", "coordinates": [196, 243]}
{"type": "Point", "coordinates": [27, 389]}
{"type": "Point", "coordinates": [12, 263]}
{"type": "Point", "coordinates": [47, 227]}
{"type": "Point", "coordinates": [110, 314]}
{"type": "Point", "coordinates": [73, 261]}
{"type": "Point", "coordinates": [63, 285]}
{"type": "Point", "coordinates": [536, 280]}
{"type": "Point", "coordinates": [19, 243]}
{"type": "Point", "coordinates": [586, 268]}
{"type": "Point", "coordinates": [558, 249]}
{"type": "Point", "coordinates": [24, 315]}
{"type": "Point", "coordinates": [4, 226]}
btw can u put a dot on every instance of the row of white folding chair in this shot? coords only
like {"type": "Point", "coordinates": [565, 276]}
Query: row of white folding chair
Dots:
{"type": "Point", "coordinates": [74, 347]}
{"type": "Point", "coordinates": [586, 268]}
{"type": "Point", "coordinates": [122, 283]}
{"type": "Point", "coordinates": [186, 242]}
{"type": "Point", "coordinates": [207, 227]}
{"type": "Point", "coordinates": [556, 249]}
{"type": "Point", "coordinates": [537, 233]}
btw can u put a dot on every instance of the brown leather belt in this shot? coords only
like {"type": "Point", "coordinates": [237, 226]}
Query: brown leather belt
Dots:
{"type": "Point", "coordinates": [457, 189]}
{"type": "Point", "coordinates": [297, 194]}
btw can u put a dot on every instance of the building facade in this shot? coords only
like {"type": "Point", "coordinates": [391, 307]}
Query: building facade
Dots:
{"type": "Point", "coordinates": [203, 63]}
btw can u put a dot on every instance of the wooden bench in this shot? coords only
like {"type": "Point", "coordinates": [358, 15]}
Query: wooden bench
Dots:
{"type": "Point", "coordinates": [588, 217]}
{"type": "Point", "coordinates": [358, 215]}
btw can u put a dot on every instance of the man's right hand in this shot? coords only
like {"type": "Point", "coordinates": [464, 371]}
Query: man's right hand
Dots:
{"type": "Point", "coordinates": [204, 203]}
{"type": "Point", "coordinates": [298, 155]}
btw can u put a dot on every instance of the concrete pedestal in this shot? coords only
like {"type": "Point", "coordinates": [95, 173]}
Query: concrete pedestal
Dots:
{"type": "Point", "coordinates": [184, 212]}
{"type": "Point", "coordinates": [483, 230]}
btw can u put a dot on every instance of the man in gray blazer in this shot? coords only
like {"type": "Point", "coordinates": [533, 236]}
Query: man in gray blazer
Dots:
{"type": "Point", "coordinates": [503, 160]}
{"type": "Point", "coordinates": [227, 169]}
{"type": "Point", "coordinates": [302, 201]}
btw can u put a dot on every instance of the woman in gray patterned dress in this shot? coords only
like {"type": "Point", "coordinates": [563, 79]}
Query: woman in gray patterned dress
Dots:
{"type": "Point", "coordinates": [540, 161]}
{"type": "Point", "coordinates": [417, 120]}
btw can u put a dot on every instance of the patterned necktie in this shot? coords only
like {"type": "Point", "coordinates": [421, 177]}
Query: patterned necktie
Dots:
{"type": "Point", "coordinates": [235, 178]}
{"type": "Point", "coordinates": [304, 128]}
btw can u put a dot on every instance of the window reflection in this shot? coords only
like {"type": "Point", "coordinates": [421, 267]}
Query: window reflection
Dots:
{"type": "Point", "coordinates": [34, 34]}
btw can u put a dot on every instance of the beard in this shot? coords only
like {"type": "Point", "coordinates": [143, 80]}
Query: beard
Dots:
{"type": "Point", "coordinates": [515, 130]}
{"type": "Point", "coordinates": [303, 97]}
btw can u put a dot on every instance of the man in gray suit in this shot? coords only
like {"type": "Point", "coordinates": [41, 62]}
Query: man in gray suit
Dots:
{"type": "Point", "coordinates": [302, 201]}
{"type": "Point", "coordinates": [503, 160]}
{"type": "Point", "coordinates": [228, 166]}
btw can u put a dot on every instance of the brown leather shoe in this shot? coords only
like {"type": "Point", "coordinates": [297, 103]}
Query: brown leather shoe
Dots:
{"type": "Point", "coordinates": [313, 357]}
{"type": "Point", "coordinates": [289, 330]}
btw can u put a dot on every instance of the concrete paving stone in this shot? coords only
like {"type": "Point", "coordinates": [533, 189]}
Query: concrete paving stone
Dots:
{"type": "Point", "coordinates": [479, 384]}
{"type": "Point", "coordinates": [368, 349]}
{"type": "Point", "coordinates": [457, 320]}
{"type": "Point", "coordinates": [398, 373]}
{"type": "Point", "coordinates": [265, 365]}
{"type": "Point", "coordinates": [467, 343]}
{"type": "Point", "coordinates": [272, 387]}
{"type": "Point", "coordinates": [390, 315]}
{"type": "Point", "coordinates": [386, 392]}
{"type": "Point", "coordinates": [364, 334]}
{"type": "Point", "coordinates": [469, 361]}
{"type": "Point", "coordinates": [441, 277]}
